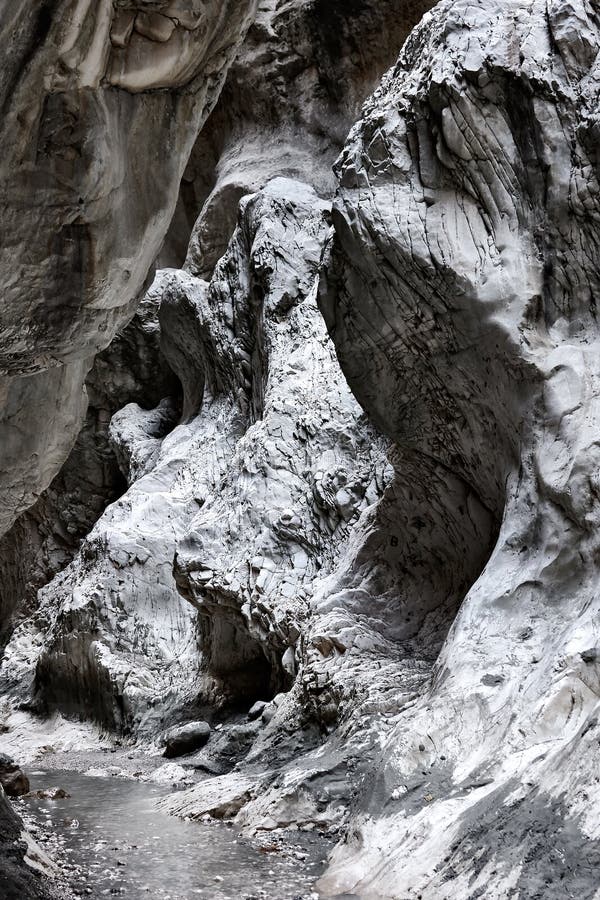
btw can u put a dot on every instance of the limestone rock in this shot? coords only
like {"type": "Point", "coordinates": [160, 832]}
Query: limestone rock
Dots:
{"type": "Point", "coordinates": [253, 497]}
{"type": "Point", "coordinates": [460, 295]}
{"type": "Point", "coordinates": [292, 94]}
{"type": "Point", "coordinates": [302, 464]}
{"type": "Point", "coordinates": [219, 798]}
{"type": "Point", "coordinates": [186, 738]}
{"type": "Point", "coordinates": [257, 709]}
{"type": "Point", "coordinates": [416, 615]}
{"type": "Point", "coordinates": [41, 414]}
{"type": "Point", "coordinates": [84, 207]}
{"type": "Point", "coordinates": [45, 539]}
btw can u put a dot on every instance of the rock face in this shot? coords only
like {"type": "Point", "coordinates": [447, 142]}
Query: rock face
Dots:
{"type": "Point", "coordinates": [290, 98]}
{"type": "Point", "coordinates": [44, 540]}
{"type": "Point", "coordinates": [460, 296]}
{"type": "Point", "coordinates": [252, 494]}
{"type": "Point", "coordinates": [410, 622]}
{"type": "Point", "coordinates": [84, 205]}
{"type": "Point", "coordinates": [17, 880]}
{"type": "Point", "coordinates": [302, 464]}
{"type": "Point", "coordinates": [109, 635]}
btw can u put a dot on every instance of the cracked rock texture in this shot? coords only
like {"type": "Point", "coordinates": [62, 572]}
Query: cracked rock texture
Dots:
{"type": "Point", "coordinates": [87, 192]}
{"type": "Point", "coordinates": [87, 675]}
{"type": "Point", "coordinates": [253, 494]}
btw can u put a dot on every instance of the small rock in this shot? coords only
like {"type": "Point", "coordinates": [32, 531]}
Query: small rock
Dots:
{"type": "Point", "coordinates": [268, 713]}
{"type": "Point", "coordinates": [50, 794]}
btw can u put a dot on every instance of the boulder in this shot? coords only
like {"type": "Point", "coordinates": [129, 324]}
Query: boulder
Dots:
{"type": "Point", "coordinates": [257, 709]}
{"type": "Point", "coordinates": [12, 778]}
{"type": "Point", "coordinates": [186, 738]}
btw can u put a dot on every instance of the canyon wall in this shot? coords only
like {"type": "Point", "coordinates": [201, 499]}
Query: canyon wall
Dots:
{"type": "Point", "coordinates": [353, 475]}
{"type": "Point", "coordinates": [460, 293]}
{"type": "Point", "coordinates": [95, 99]}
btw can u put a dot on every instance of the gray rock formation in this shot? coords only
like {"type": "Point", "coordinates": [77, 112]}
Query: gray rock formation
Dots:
{"type": "Point", "coordinates": [290, 98]}
{"type": "Point", "coordinates": [85, 207]}
{"type": "Point", "coordinates": [186, 738]}
{"type": "Point", "coordinates": [12, 778]}
{"type": "Point", "coordinates": [253, 494]}
{"type": "Point", "coordinates": [87, 195]}
{"type": "Point", "coordinates": [409, 622]}
{"type": "Point", "coordinates": [303, 464]}
{"type": "Point", "coordinates": [17, 879]}
{"type": "Point", "coordinates": [45, 539]}
{"type": "Point", "coordinates": [460, 296]}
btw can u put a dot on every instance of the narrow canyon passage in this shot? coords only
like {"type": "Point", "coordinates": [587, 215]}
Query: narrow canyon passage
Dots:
{"type": "Point", "coordinates": [299, 436]}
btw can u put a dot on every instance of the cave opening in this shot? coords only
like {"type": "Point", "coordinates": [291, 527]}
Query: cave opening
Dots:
{"type": "Point", "coordinates": [242, 668]}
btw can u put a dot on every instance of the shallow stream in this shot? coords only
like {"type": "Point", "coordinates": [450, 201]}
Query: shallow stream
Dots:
{"type": "Point", "coordinates": [111, 828]}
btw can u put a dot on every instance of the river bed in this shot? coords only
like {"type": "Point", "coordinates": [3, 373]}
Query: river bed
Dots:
{"type": "Point", "coordinates": [110, 830]}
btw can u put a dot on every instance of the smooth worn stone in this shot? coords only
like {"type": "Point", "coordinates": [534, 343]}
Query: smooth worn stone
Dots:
{"type": "Point", "coordinates": [186, 738]}
{"type": "Point", "coordinates": [337, 489]}
{"type": "Point", "coordinates": [257, 709]}
{"type": "Point", "coordinates": [15, 783]}
{"type": "Point", "coordinates": [154, 26]}
{"type": "Point", "coordinates": [474, 345]}
{"type": "Point", "coordinates": [81, 131]}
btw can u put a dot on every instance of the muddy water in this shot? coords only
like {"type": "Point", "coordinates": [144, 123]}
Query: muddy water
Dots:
{"type": "Point", "coordinates": [110, 827]}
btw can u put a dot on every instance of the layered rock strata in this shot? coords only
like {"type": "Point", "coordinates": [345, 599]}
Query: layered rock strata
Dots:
{"type": "Point", "coordinates": [87, 678]}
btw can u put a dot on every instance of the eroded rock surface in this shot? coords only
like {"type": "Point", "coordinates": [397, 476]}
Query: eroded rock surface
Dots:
{"type": "Point", "coordinates": [290, 98]}
{"type": "Point", "coordinates": [460, 296]}
{"type": "Point", "coordinates": [252, 495]}
{"type": "Point", "coordinates": [17, 879]}
{"type": "Point", "coordinates": [87, 192]}
{"type": "Point", "coordinates": [412, 628]}
{"type": "Point", "coordinates": [45, 539]}
{"type": "Point", "coordinates": [86, 195]}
